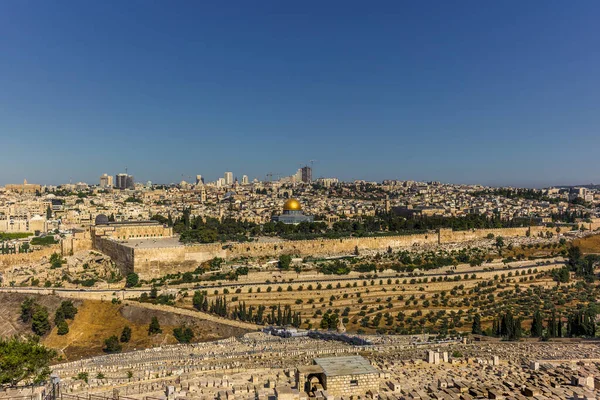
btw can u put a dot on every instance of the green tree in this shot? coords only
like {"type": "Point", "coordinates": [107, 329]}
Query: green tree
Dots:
{"type": "Point", "coordinates": [62, 328]}
{"type": "Point", "coordinates": [154, 327]}
{"type": "Point", "coordinates": [49, 213]}
{"type": "Point", "coordinates": [476, 328]}
{"type": "Point", "coordinates": [183, 334]}
{"type": "Point", "coordinates": [132, 279]}
{"type": "Point", "coordinates": [68, 309]}
{"type": "Point", "coordinates": [285, 261]}
{"type": "Point", "coordinates": [112, 345]}
{"type": "Point", "coordinates": [199, 301]}
{"type": "Point", "coordinates": [27, 308]}
{"type": "Point", "coordinates": [24, 360]}
{"type": "Point", "coordinates": [536, 324]}
{"type": "Point", "coordinates": [56, 261]}
{"type": "Point", "coordinates": [499, 244]}
{"type": "Point", "coordinates": [561, 275]}
{"type": "Point", "coordinates": [39, 321]}
{"type": "Point", "coordinates": [126, 335]}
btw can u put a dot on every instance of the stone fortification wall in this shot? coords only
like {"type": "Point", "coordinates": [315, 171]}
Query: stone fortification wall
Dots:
{"type": "Point", "coordinates": [76, 242]}
{"type": "Point", "coordinates": [155, 262]}
{"type": "Point", "coordinates": [158, 261]}
{"type": "Point", "coordinates": [593, 225]}
{"type": "Point", "coordinates": [132, 231]}
{"type": "Point", "coordinates": [8, 260]}
{"type": "Point", "coordinates": [318, 247]}
{"type": "Point", "coordinates": [123, 256]}
{"type": "Point", "coordinates": [450, 236]}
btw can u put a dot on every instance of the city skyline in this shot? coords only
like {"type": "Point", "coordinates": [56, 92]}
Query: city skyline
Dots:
{"type": "Point", "coordinates": [220, 179]}
{"type": "Point", "coordinates": [497, 94]}
{"type": "Point", "coordinates": [299, 200]}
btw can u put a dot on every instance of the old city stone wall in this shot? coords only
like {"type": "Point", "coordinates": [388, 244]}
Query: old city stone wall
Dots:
{"type": "Point", "coordinates": [8, 260]}
{"type": "Point", "coordinates": [155, 262]}
{"type": "Point", "coordinates": [318, 247]}
{"type": "Point", "coordinates": [158, 261]}
{"type": "Point", "coordinates": [76, 242]}
{"type": "Point", "coordinates": [450, 236]}
{"type": "Point", "coordinates": [123, 256]}
{"type": "Point", "coordinates": [132, 231]}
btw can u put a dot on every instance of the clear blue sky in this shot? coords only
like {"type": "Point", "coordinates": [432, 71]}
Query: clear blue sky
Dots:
{"type": "Point", "coordinates": [492, 92]}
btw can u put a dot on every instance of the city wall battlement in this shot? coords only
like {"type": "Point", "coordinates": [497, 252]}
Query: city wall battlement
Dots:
{"type": "Point", "coordinates": [152, 262]}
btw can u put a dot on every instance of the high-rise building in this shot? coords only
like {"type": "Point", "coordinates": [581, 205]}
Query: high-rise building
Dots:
{"type": "Point", "coordinates": [306, 174]}
{"type": "Point", "coordinates": [228, 178]}
{"type": "Point", "coordinates": [199, 180]}
{"type": "Point", "coordinates": [106, 181]}
{"type": "Point", "coordinates": [244, 179]}
{"type": "Point", "coordinates": [124, 181]}
{"type": "Point", "coordinates": [298, 175]}
{"type": "Point", "coordinates": [120, 181]}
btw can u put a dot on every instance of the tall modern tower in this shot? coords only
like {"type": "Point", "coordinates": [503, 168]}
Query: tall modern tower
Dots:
{"type": "Point", "coordinates": [228, 178]}
{"type": "Point", "coordinates": [124, 181]}
{"type": "Point", "coordinates": [106, 181]}
{"type": "Point", "coordinates": [306, 174]}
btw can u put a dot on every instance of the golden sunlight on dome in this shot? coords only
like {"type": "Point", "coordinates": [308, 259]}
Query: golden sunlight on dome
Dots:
{"type": "Point", "coordinates": [292, 205]}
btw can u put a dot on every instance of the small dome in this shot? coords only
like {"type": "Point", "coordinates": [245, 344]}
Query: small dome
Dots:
{"type": "Point", "coordinates": [292, 205]}
{"type": "Point", "coordinates": [101, 219]}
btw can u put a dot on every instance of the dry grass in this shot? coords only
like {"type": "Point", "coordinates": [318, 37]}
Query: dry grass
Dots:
{"type": "Point", "coordinates": [96, 320]}
{"type": "Point", "coordinates": [590, 244]}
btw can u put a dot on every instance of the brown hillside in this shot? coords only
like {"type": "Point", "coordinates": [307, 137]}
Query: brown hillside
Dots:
{"type": "Point", "coordinates": [590, 244]}
{"type": "Point", "coordinates": [97, 320]}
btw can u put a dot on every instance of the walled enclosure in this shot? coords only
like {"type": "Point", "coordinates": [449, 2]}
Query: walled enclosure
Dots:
{"type": "Point", "coordinates": [158, 261]}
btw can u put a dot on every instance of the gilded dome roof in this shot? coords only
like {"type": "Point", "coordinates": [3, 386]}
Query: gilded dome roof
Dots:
{"type": "Point", "coordinates": [292, 205]}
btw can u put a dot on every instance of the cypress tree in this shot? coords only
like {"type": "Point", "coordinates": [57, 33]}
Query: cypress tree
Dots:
{"type": "Point", "coordinates": [536, 324]}
{"type": "Point", "coordinates": [476, 328]}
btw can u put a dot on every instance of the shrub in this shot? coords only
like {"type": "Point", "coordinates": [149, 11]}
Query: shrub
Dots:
{"type": "Point", "coordinates": [125, 335]}
{"type": "Point", "coordinates": [132, 279]}
{"type": "Point", "coordinates": [183, 334]}
{"type": "Point", "coordinates": [112, 345]}
{"type": "Point", "coordinates": [84, 376]}
{"type": "Point", "coordinates": [62, 328]}
{"type": "Point", "coordinates": [154, 327]}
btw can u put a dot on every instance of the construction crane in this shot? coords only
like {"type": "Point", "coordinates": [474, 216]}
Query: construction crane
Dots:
{"type": "Point", "coordinates": [271, 174]}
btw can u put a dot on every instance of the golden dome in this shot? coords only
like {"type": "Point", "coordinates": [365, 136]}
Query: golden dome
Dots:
{"type": "Point", "coordinates": [292, 205]}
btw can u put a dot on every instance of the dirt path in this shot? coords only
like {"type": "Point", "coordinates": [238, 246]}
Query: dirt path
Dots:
{"type": "Point", "coordinates": [195, 314]}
